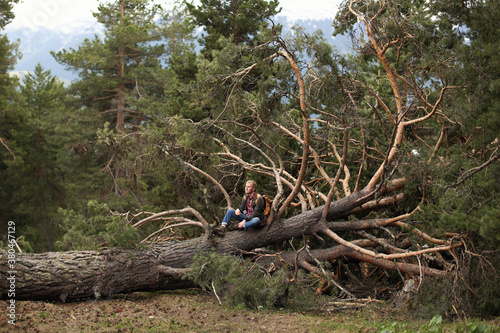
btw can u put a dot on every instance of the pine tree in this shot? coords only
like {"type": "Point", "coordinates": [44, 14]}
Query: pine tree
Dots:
{"type": "Point", "coordinates": [39, 138]}
{"type": "Point", "coordinates": [7, 61]}
{"type": "Point", "coordinates": [7, 96]}
{"type": "Point", "coordinates": [6, 14]}
{"type": "Point", "coordinates": [7, 88]}
{"type": "Point", "coordinates": [116, 72]}
{"type": "Point", "coordinates": [122, 76]}
{"type": "Point", "coordinates": [454, 156]}
{"type": "Point", "coordinates": [238, 21]}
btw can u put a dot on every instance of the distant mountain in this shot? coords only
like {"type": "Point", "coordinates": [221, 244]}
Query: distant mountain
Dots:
{"type": "Point", "coordinates": [35, 45]}
{"type": "Point", "coordinates": [341, 43]}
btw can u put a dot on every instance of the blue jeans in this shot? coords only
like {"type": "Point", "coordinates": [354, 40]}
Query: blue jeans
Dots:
{"type": "Point", "coordinates": [231, 214]}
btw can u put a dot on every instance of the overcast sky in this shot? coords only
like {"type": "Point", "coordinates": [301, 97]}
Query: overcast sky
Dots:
{"type": "Point", "coordinates": [58, 13]}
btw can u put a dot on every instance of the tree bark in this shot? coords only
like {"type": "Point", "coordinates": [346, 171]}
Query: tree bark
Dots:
{"type": "Point", "coordinates": [85, 274]}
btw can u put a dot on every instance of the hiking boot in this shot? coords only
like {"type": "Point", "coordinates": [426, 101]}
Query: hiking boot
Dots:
{"type": "Point", "coordinates": [219, 231]}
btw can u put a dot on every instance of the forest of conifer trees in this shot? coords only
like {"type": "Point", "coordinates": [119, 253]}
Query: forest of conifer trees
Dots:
{"type": "Point", "coordinates": [382, 163]}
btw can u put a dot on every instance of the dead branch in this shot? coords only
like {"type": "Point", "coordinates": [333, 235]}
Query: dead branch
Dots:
{"type": "Point", "coordinates": [2, 141]}
{"type": "Point", "coordinates": [270, 171]}
{"type": "Point", "coordinates": [306, 134]}
{"type": "Point", "coordinates": [471, 172]}
{"type": "Point", "coordinates": [171, 226]}
{"type": "Point", "coordinates": [212, 179]}
{"type": "Point", "coordinates": [187, 210]}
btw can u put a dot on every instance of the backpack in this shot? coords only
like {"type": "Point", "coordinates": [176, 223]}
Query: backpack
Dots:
{"type": "Point", "coordinates": [267, 209]}
{"type": "Point", "coordinates": [269, 203]}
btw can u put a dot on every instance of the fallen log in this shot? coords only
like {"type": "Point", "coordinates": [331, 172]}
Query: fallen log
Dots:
{"type": "Point", "coordinates": [72, 275]}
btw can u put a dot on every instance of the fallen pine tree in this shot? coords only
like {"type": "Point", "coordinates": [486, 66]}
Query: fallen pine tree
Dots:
{"type": "Point", "coordinates": [93, 274]}
{"type": "Point", "coordinates": [331, 173]}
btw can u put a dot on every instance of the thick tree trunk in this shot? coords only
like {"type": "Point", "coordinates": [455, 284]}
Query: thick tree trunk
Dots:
{"type": "Point", "coordinates": [83, 274]}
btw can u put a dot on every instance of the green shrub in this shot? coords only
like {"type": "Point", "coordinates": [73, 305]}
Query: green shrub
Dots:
{"type": "Point", "coordinates": [473, 289]}
{"type": "Point", "coordinates": [244, 284]}
{"type": "Point", "coordinates": [100, 228]}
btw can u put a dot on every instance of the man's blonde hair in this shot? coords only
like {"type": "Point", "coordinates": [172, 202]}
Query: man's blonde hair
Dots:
{"type": "Point", "coordinates": [253, 183]}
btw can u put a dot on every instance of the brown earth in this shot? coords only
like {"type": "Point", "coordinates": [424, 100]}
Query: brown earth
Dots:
{"type": "Point", "coordinates": [189, 312]}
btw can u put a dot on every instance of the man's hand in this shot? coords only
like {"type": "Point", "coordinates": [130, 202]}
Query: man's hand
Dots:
{"type": "Point", "coordinates": [241, 225]}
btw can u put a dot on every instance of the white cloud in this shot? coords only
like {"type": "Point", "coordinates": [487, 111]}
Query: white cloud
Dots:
{"type": "Point", "coordinates": [58, 13]}
{"type": "Point", "coordinates": [309, 9]}
{"type": "Point", "coordinates": [52, 13]}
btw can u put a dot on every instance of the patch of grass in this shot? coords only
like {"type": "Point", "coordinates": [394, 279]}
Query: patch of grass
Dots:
{"type": "Point", "coordinates": [191, 311]}
{"type": "Point", "coordinates": [437, 325]}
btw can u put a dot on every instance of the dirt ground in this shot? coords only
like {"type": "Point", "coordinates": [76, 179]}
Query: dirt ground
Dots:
{"type": "Point", "coordinates": [184, 312]}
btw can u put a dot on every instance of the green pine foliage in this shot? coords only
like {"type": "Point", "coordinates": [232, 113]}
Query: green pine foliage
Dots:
{"type": "Point", "coordinates": [97, 228]}
{"type": "Point", "coordinates": [244, 284]}
{"type": "Point", "coordinates": [6, 14]}
{"type": "Point", "coordinates": [39, 139]}
{"type": "Point", "coordinates": [125, 85]}
{"type": "Point", "coordinates": [238, 21]}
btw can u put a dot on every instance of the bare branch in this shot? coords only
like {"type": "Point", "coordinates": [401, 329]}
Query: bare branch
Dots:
{"type": "Point", "coordinates": [212, 179]}
{"type": "Point", "coordinates": [187, 210]}
{"type": "Point", "coordinates": [433, 111]}
{"type": "Point", "coordinates": [171, 226]}
{"type": "Point", "coordinates": [7, 147]}
{"type": "Point", "coordinates": [306, 134]}
{"type": "Point", "coordinates": [471, 172]}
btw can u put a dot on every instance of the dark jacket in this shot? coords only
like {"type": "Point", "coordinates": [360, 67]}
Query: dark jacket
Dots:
{"type": "Point", "coordinates": [258, 205]}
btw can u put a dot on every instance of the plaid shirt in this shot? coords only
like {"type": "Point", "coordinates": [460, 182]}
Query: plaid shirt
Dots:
{"type": "Point", "coordinates": [249, 205]}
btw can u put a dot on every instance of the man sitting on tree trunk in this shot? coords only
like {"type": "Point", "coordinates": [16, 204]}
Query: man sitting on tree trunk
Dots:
{"type": "Point", "coordinates": [251, 212]}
